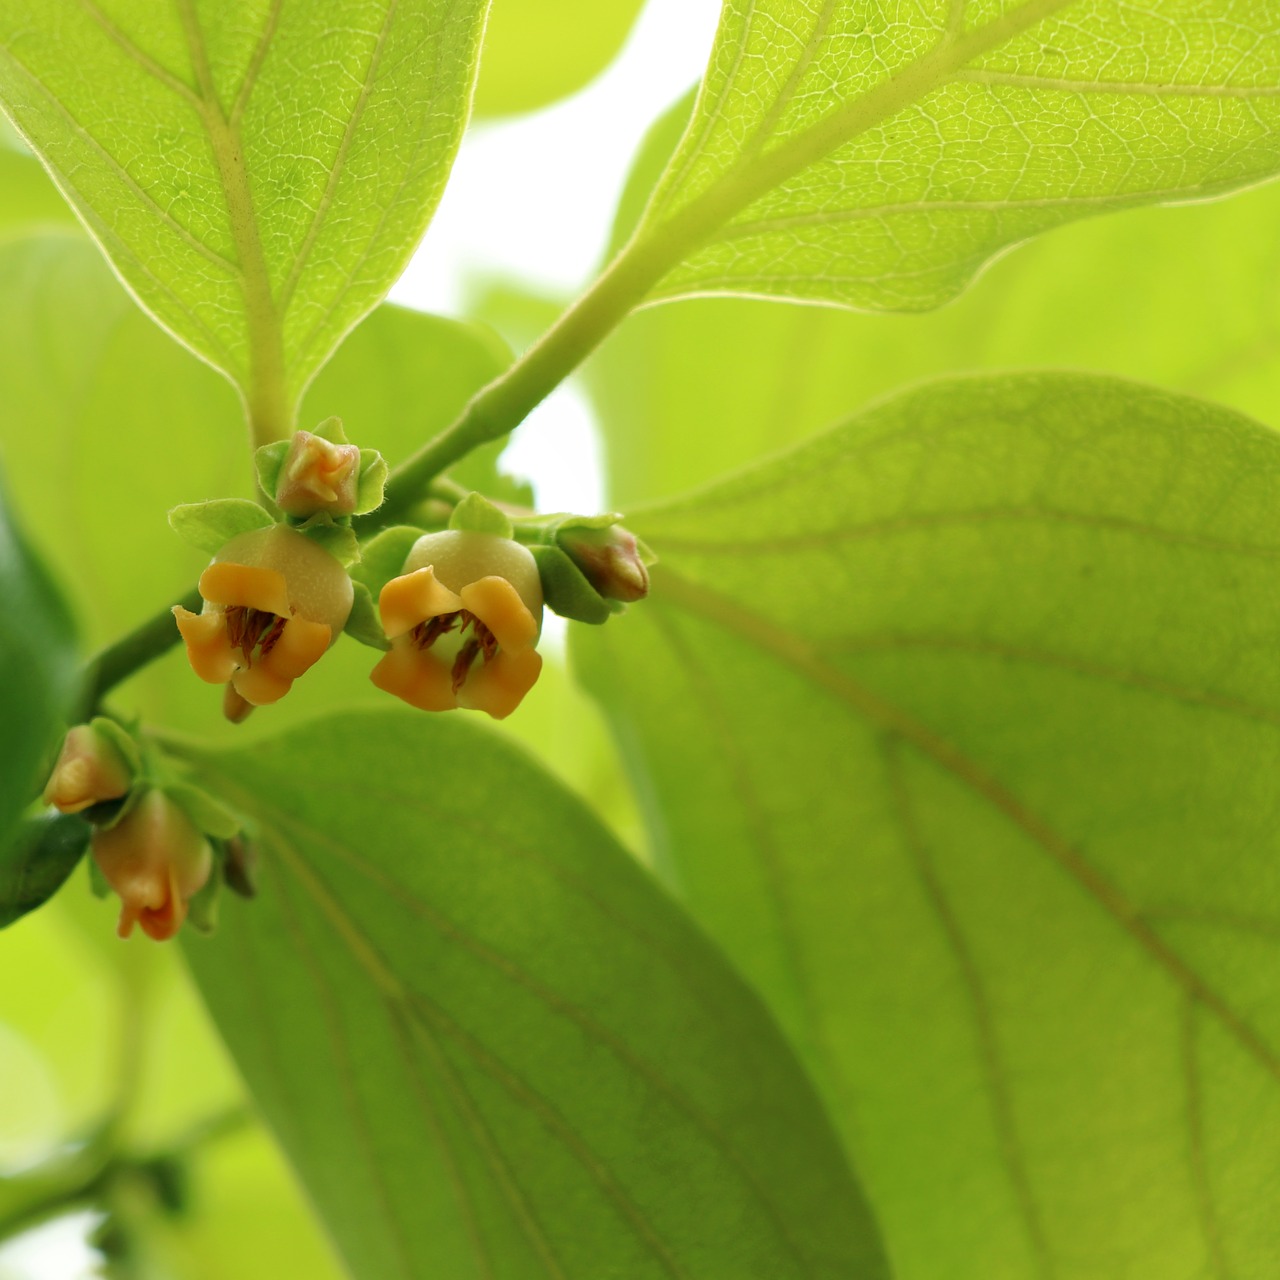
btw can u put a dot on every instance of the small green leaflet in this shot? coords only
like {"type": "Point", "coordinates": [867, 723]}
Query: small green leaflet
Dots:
{"type": "Point", "coordinates": [877, 155]}
{"type": "Point", "coordinates": [258, 172]}
{"type": "Point", "coordinates": [532, 1064]}
{"type": "Point", "coordinates": [960, 728]}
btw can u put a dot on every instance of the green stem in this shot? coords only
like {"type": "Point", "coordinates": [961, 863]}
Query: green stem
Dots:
{"type": "Point", "coordinates": [118, 661]}
{"type": "Point", "coordinates": [87, 1174]}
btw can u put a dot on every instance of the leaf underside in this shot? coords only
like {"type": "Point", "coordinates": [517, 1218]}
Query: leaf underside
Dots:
{"type": "Point", "coordinates": [879, 155]}
{"type": "Point", "coordinates": [490, 1046]}
{"type": "Point", "coordinates": [981, 695]}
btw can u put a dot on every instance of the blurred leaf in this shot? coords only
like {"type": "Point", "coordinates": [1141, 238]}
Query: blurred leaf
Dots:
{"type": "Point", "coordinates": [36, 862]}
{"type": "Point", "coordinates": [536, 51]}
{"type": "Point", "coordinates": [37, 674]}
{"type": "Point", "coordinates": [878, 156]}
{"type": "Point", "coordinates": [27, 198]}
{"type": "Point", "coordinates": [958, 728]}
{"type": "Point", "coordinates": [686, 392]}
{"type": "Point", "coordinates": [258, 173]}
{"type": "Point", "coordinates": [533, 1064]}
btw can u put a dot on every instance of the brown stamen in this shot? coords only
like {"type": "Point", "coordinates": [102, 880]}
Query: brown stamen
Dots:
{"type": "Point", "coordinates": [250, 629]}
{"type": "Point", "coordinates": [462, 663]}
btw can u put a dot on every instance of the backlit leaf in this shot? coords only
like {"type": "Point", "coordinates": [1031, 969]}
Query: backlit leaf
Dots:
{"type": "Point", "coordinates": [257, 172]}
{"type": "Point", "coordinates": [959, 731]}
{"type": "Point", "coordinates": [532, 1065]}
{"type": "Point", "coordinates": [877, 156]}
{"type": "Point", "coordinates": [687, 392]}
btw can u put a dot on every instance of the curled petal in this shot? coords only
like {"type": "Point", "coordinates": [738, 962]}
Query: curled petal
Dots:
{"type": "Point", "coordinates": [413, 598]}
{"type": "Point", "coordinates": [208, 649]}
{"type": "Point", "coordinates": [259, 686]}
{"type": "Point", "coordinates": [498, 605]}
{"type": "Point", "coordinates": [499, 685]}
{"type": "Point", "coordinates": [417, 677]}
{"type": "Point", "coordinates": [226, 583]}
{"type": "Point", "coordinates": [300, 646]}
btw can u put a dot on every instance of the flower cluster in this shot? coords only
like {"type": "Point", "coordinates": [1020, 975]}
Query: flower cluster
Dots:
{"type": "Point", "coordinates": [147, 847]}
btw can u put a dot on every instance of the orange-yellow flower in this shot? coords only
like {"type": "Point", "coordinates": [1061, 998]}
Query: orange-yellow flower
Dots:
{"type": "Point", "coordinates": [463, 619]}
{"type": "Point", "coordinates": [274, 602]}
{"type": "Point", "coordinates": [156, 861]}
{"type": "Point", "coordinates": [89, 771]}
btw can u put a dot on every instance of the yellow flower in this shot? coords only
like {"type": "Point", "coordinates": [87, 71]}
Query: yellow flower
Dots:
{"type": "Point", "coordinates": [463, 619]}
{"type": "Point", "coordinates": [156, 861]}
{"type": "Point", "coordinates": [90, 770]}
{"type": "Point", "coordinates": [318, 475]}
{"type": "Point", "coordinates": [274, 602]}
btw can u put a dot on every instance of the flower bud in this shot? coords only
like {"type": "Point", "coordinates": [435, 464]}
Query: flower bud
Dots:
{"type": "Point", "coordinates": [91, 769]}
{"type": "Point", "coordinates": [318, 476]}
{"type": "Point", "coordinates": [156, 861]}
{"type": "Point", "coordinates": [463, 619]}
{"type": "Point", "coordinates": [274, 602]}
{"type": "Point", "coordinates": [610, 559]}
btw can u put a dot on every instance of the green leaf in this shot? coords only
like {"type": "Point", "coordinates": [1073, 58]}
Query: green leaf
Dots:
{"type": "Point", "coordinates": [533, 1064]}
{"type": "Point", "coordinates": [478, 515]}
{"type": "Point", "coordinates": [258, 173]}
{"type": "Point", "coordinates": [211, 525]}
{"type": "Point", "coordinates": [566, 590]}
{"type": "Point", "coordinates": [37, 862]}
{"type": "Point", "coordinates": [382, 557]}
{"type": "Point", "coordinates": [685, 393]}
{"type": "Point", "coordinates": [339, 540]}
{"type": "Point", "coordinates": [37, 672]}
{"type": "Point", "coordinates": [536, 51]}
{"type": "Point", "coordinates": [959, 731]}
{"type": "Point", "coordinates": [364, 623]}
{"type": "Point", "coordinates": [207, 812]}
{"type": "Point", "coordinates": [373, 481]}
{"type": "Point", "coordinates": [877, 156]}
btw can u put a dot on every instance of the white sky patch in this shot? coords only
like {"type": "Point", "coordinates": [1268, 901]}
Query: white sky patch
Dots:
{"type": "Point", "coordinates": [534, 197]}
{"type": "Point", "coordinates": [59, 1250]}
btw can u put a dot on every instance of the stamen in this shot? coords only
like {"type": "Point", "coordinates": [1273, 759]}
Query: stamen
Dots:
{"type": "Point", "coordinates": [462, 663]}
{"type": "Point", "coordinates": [250, 629]}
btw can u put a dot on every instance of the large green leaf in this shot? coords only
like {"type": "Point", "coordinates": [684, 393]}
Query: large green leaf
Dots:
{"type": "Point", "coordinates": [536, 51]}
{"type": "Point", "coordinates": [258, 172]}
{"type": "Point", "coordinates": [37, 670]}
{"type": "Point", "coordinates": [959, 731]}
{"type": "Point", "coordinates": [686, 392]}
{"type": "Point", "coordinates": [532, 1065]}
{"type": "Point", "coordinates": [877, 155]}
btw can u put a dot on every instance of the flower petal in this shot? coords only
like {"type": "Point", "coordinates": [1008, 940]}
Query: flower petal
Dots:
{"type": "Point", "coordinates": [499, 685]}
{"type": "Point", "coordinates": [498, 605]}
{"type": "Point", "coordinates": [300, 646]}
{"type": "Point", "coordinates": [417, 677]}
{"type": "Point", "coordinates": [227, 583]}
{"type": "Point", "coordinates": [208, 649]}
{"type": "Point", "coordinates": [260, 685]}
{"type": "Point", "coordinates": [413, 598]}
